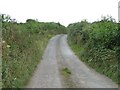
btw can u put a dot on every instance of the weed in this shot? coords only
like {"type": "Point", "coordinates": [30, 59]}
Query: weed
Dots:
{"type": "Point", "coordinates": [66, 72]}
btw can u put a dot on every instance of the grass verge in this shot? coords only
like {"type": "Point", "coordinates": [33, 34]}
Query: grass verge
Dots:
{"type": "Point", "coordinates": [100, 67]}
{"type": "Point", "coordinates": [18, 65]}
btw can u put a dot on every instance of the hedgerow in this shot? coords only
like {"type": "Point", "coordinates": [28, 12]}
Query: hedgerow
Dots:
{"type": "Point", "coordinates": [98, 45]}
{"type": "Point", "coordinates": [23, 45]}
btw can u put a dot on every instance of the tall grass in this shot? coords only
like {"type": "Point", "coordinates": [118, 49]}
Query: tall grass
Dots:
{"type": "Point", "coordinates": [23, 47]}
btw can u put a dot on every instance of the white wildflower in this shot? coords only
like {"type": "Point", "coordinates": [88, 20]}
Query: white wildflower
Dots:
{"type": "Point", "coordinates": [8, 46]}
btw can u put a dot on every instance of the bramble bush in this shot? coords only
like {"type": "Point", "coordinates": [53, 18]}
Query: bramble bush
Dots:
{"type": "Point", "coordinates": [23, 47]}
{"type": "Point", "coordinates": [98, 45]}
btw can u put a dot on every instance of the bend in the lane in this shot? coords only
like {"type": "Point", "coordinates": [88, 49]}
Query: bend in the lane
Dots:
{"type": "Point", "coordinates": [47, 73]}
{"type": "Point", "coordinates": [82, 75]}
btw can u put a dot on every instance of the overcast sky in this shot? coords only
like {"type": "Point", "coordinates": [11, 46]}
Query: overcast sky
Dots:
{"type": "Point", "coordinates": [63, 11]}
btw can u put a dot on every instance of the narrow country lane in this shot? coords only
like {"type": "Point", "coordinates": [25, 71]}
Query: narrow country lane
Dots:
{"type": "Point", "coordinates": [57, 56]}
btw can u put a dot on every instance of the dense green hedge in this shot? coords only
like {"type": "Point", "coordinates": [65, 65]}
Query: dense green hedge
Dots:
{"type": "Point", "coordinates": [23, 47]}
{"type": "Point", "coordinates": [97, 44]}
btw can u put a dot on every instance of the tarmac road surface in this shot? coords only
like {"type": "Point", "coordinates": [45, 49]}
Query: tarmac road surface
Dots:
{"type": "Point", "coordinates": [57, 56]}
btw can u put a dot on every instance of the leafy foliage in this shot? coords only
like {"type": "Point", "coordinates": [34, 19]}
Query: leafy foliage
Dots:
{"type": "Point", "coordinates": [23, 47]}
{"type": "Point", "coordinates": [98, 45]}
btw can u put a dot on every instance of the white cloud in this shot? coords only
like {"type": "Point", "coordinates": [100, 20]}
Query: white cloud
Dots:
{"type": "Point", "coordinates": [63, 11]}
